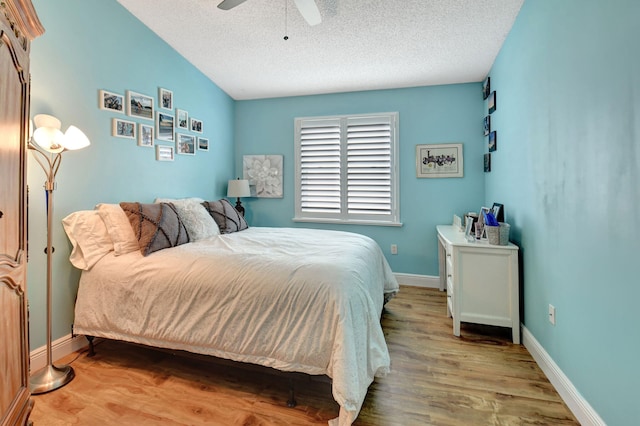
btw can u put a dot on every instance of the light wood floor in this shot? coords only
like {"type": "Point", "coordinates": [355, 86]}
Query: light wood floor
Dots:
{"type": "Point", "coordinates": [479, 378]}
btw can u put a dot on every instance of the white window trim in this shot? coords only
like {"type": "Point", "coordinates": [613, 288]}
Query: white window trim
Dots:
{"type": "Point", "coordinates": [345, 218]}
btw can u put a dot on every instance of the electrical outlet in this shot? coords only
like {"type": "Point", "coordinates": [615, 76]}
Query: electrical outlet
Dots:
{"type": "Point", "coordinates": [394, 249]}
{"type": "Point", "coordinates": [552, 314]}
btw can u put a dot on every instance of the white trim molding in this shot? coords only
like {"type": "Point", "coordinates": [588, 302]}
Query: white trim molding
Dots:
{"type": "Point", "coordinates": [579, 406]}
{"type": "Point", "coordinates": [59, 349]}
{"type": "Point", "coordinates": [418, 280]}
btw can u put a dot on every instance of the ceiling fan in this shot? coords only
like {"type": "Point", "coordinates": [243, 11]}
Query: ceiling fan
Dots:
{"type": "Point", "coordinates": [308, 9]}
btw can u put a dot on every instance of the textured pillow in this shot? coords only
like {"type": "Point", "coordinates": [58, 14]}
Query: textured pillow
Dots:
{"type": "Point", "coordinates": [196, 219]}
{"type": "Point", "coordinates": [156, 226]}
{"type": "Point", "coordinates": [119, 228]}
{"type": "Point", "coordinates": [89, 237]}
{"type": "Point", "coordinates": [226, 216]}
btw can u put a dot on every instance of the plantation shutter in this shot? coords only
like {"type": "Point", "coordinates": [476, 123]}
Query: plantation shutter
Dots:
{"type": "Point", "coordinates": [320, 174]}
{"type": "Point", "coordinates": [346, 169]}
{"type": "Point", "coordinates": [369, 165]}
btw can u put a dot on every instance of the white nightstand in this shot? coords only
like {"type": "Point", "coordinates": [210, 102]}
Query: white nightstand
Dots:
{"type": "Point", "coordinates": [481, 281]}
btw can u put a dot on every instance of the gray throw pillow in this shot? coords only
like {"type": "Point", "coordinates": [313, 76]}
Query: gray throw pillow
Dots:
{"type": "Point", "coordinates": [226, 216]}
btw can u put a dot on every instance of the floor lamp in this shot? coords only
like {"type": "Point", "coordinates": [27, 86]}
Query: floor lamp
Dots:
{"type": "Point", "coordinates": [47, 145]}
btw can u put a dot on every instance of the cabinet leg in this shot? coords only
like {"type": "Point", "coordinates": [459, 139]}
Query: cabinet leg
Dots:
{"type": "Point", "coordinates": [456, 328]}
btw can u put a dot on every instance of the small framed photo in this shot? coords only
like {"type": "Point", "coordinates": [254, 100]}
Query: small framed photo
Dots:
{"type": "Point", "coordinates": [492, 102]}
{"type": "Point", "coordinates": [203, 144]}
{"type": "Point", "coordinates": [164, 153]}
{"type": "Point", "coordinates": [123, 129]}
{"type": "Point", "coordinates": [111, 101]}
{"type": "Point", "coordinates": [468, 226]}
{"type": "Point", "coordinates": [145, 135]}
{"type": "Point", "coordinates": [486, 88]}
{"type": "Point", "coordinates": [487, 163]}
{"type": "Point", "coordinates": [182, 119]}
{"type": "Point", "coordinates": [139, 105]}
{"type": "Point", "coordinates": [493, 141]}
{"type": "Point", "coordinates": [482, 235]}
{"type": "Point", "coordinates": [498, 211]}
{"type": "Point", "coordinates": [439, 161]}
{"type": "Point", "coordinates": [196, 125]}
{"type": "Point", "coordinates": [165, 98]}
{"type": "Point", "coordinates": [185, 144]}
{"type": "Point", "coordinates": [164, 126]}
{"type": "Point", "coordinates": [487, 125]}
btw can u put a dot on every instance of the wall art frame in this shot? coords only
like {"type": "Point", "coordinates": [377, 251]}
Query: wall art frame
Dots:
{"type": "Point", "coordinates": [493, 141]}
{"type": "Point", "coordinates": [145, 135]}
{"type": "Point", "coordinates": [439, 161]}
{"type": "Point", "coordinates": [164, 153]}
{"type": "Point", "coordinates": [486, 88]}
{"type": "Point", "coordinates": [185, 144]}
{"type": "Point", "coordinates": [182, 119]}
{"type": "Point", "coordinates": [486, 123]}
{"type": "Point", "coordinates": [165, 98]}
{"type": "Point", "coordinates": [196, 125]}
{"type": "Point", "coordinates": [164, 126]}
{"type": "Point", "coordinates": [139, 105]}
{"type": "Point", "coordinates": [492, 102]}
{"type": "Point", "coordinates": [264, 173]}
{"type": "Point", "coordinates": [111, 101]}
{"type": "Point", "coordinates": [203, 144]}
{"type": "Point", "coordinates": [123, 128]}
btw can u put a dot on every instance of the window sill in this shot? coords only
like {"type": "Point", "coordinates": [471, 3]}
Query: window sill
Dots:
{"type": "Point", "coordinates": [346, 222]}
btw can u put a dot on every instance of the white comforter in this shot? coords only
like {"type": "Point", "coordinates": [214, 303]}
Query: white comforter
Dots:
{"type": "Point", "coordinates": [293, 299]}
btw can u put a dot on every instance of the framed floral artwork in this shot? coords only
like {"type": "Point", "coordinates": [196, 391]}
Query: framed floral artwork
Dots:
{"type": "Point", "coordinates": [264, 173]}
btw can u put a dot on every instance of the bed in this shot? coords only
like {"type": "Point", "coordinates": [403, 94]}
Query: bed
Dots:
{"type": "Point", "coordinates": [294, 299]}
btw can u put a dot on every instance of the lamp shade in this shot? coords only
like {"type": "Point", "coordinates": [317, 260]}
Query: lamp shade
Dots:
{"type": "Point", "coordinates": [74, 138]}
{"type": "Point", "coordinates": [49, 139]}
{"type": "Point", "coordinates": [45, 120]}
{"type": "Point", "coordinates": [238, 188]}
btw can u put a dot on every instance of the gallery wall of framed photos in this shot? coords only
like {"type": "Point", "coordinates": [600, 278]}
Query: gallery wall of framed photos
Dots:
{"type": "Point", "coordinates": [490, 133]}
{"type": "Point", "coordinates": [170, 130]}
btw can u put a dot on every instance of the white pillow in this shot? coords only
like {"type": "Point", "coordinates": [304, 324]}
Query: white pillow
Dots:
{"type": "Point", "coordinates": [119, 228]}
{"type": "Point", "coordinates": [196, 219]}
{"type": "Point", "coordinates": [88, 235]}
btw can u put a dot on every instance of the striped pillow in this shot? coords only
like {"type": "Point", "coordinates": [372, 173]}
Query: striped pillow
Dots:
{"type": "Point", "coordinates": [226, 216]}
{"type": "Point", "coordinates": [156, 226]}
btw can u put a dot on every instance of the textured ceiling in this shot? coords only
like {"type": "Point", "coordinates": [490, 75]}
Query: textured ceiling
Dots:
{"type": "Point", "coordinates": [360, 44]}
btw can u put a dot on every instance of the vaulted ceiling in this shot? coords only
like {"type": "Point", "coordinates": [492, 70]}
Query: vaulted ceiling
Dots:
{"type": "Point", "coordinates": [359, 45]}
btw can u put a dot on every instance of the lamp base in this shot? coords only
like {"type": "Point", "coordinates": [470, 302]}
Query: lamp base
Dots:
{"type": "Point", "coordinates": [50, 378]}
{"type": "Point", "coordinates": [239, 207]}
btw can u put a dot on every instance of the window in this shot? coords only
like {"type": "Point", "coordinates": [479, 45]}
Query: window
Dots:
{"type": "Point", "coordinates": [346, 169]}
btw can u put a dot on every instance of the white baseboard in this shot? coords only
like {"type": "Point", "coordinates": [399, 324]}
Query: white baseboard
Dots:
{"type": "Point", "coordinates": [59, 349]}
{"type": "Point", "coordinates": [579, 406]}
{"type": "Point", "coordinates": [418, 280]}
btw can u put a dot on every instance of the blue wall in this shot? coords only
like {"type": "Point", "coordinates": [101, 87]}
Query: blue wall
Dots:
{"type": "Point", "coordinates": [427, 115]}
{"type": "Point", "coordinates": [568, 171]}
{"type": "Point", "coordinates": [91, 45]}
{"type": "Point", "coordinates": [566, 168]}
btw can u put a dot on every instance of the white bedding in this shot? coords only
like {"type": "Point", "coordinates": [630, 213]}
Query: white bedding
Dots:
{"type": "Point", "coordinates": [293, 299]}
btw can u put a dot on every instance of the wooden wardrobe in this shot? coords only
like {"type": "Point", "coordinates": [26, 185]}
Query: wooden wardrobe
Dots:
{"type": "Point", "coordinates": [19, 25]}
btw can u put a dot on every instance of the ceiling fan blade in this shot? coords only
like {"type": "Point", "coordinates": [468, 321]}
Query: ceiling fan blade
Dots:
{"type": "Point", "coordinates": [309, 11]}
{"type": "Point", "coordinates": [230, 4]}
